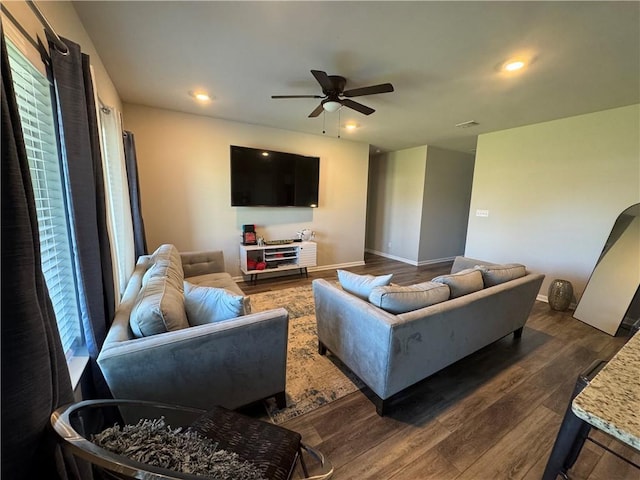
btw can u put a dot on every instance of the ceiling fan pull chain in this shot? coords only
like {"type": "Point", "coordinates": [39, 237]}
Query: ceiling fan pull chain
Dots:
{"type": "Point", "coordinates": [339, 124]}
{"type": "Point", "coordinates": [324, 116]}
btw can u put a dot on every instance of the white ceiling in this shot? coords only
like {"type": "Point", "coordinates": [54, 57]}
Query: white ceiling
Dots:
{"type": "Point", "coordinates": [441, 57]}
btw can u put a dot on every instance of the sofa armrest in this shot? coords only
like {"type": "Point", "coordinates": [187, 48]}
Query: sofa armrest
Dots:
{"type": "Point", "coordinates": [202, 263]}
{"type": "Point", "coordinates": [356, 331]}
{"type": "Point", "coordinates": [228, 363]}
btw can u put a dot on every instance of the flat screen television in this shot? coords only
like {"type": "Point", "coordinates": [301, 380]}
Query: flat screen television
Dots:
{"type": "Point", "coordinates": [265, 178]}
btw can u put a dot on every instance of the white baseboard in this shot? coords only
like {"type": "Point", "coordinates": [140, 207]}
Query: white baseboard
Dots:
{"type": "Point", "coordinates": [410, 262]}
{"type": "Point", "coordinates": [392, 257]}
{"type": "Point", "coordinates": [545, 299]}
{"type": "Point", "coordinates": [437, 260]}
{"type": "Point", "coordinates": [336, 266]}
{"type": "Point", "coordinates": [317, 268]}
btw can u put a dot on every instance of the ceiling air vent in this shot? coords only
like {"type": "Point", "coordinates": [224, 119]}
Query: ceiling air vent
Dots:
{"type": "Point", "coordinates": [470, 123]}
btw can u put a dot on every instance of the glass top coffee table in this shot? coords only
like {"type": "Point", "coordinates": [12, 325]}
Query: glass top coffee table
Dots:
{"type": "Point", "coordinates": [273, 449]}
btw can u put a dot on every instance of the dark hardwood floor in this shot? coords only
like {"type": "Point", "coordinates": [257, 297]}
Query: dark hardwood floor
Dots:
{"type": "Point", "coordinates": [493, 415]}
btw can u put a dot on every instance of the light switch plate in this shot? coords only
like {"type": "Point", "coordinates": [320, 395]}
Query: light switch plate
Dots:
{"type": "Point", "coordinates": [482, 213]}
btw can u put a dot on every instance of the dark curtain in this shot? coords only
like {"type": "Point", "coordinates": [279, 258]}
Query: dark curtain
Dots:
{"type": "Point", "coordinates": [84, 179]}
{"type": "Point", "coordinates": [106, 266]}
{"type": "Point", "coordinates": [35, 379]}
{"type": "Point", "coordinates": [131, 162]}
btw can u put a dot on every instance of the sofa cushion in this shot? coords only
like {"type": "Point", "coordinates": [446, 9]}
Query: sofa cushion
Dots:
{"type": "Point", "coordinates": [461, 283]}
{"type": "Point", "coordinates": [497, 274]}
{"type": "Point", "coordinates": [398, 299]}
{"type": "Point", "coordinates": [164, 268]}
{"type": "Point", "coordinates": [171, 254]}
{"type": "Point", "coordinates": [361, 285]}
{"type": "Point", "coordinates": [210, 304]}
{"type": "Point", "coordinates": [159, 308]}
{"type": "Point", "coordinates": [218, 280]}
{"type": "Point", "coordinates": [165, 261]}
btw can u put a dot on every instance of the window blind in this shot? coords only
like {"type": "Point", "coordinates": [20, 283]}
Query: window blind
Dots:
{"type": "Point", "coordinates": [33, 95]}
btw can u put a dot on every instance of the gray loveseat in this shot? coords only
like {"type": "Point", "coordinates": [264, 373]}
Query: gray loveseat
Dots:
{"type": "Point", "coordinates": [152, 352]}
{"type": "Point", "coordinates": [390, 352]}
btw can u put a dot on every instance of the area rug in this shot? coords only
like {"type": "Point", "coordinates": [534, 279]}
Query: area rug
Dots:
{"type": "Point", "coordinates": [313, 380]}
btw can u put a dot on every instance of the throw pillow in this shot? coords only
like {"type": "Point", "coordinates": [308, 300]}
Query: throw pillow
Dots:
{"type": "Point", "coordinates": [159, 308]}
{"type": "Point", "coordinates": [463, 282]}
{"type": "Point", "coordinates": [397, 299]}
{"type": "Point", "coordinates": [497, 274]}
{"type": "Point", "coordinates": [361, 285]}
{"type": "Point", "coordinates": [221, 280]}
{"type": "Point", "coordinates": [210, 304]}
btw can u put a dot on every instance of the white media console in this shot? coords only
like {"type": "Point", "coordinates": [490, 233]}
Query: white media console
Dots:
{"type": "Point", "coordinates": [278, 258]}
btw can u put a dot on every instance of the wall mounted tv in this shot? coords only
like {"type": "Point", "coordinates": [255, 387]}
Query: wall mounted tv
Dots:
{"type": "Point", "coordinates": [265, 178]}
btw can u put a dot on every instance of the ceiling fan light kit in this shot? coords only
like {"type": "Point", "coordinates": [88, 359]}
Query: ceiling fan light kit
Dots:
{"type": "Point", "coordinates": [333, 91]}
{"type": "Point", "coordinates": [331, 105]}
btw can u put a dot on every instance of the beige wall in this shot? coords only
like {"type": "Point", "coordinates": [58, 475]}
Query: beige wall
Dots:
{"type": "Point", "coordinates": [183, 163]}
{"type": "Point", "coordinates": [445, 208]}
{"type": "Point", "coordinates": [553, 191]}
{"type": "Point", "coordinates": [396, 190]}
{"type": "Point", "coordinates": [64, 20]}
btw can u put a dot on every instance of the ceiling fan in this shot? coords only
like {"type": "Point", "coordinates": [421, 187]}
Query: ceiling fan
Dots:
{"type": "Point", "coordinates": [333, 90]}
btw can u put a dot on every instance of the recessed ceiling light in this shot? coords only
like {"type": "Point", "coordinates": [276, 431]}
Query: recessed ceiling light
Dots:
{"type": "Point", "coordinates": [351, 126]}
{"type": "Point", "coordinates": [200, 95]}
{"type": "Point", "coordinates": [513, 65]}
{"type": "Point", "coordinates": [265, 154]}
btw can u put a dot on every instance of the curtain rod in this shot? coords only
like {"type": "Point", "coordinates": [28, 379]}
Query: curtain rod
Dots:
{"type": "Point", "coordinates": [60, 45]}
{"type": "Point", "coordinates": [20, 28]}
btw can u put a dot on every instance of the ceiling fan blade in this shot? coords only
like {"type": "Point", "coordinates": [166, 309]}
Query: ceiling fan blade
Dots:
{"type": "Point", "coordinates": [323, 79]}
{"type": "Point", "coordinates": [372, 90]}
{"type": "Point", "coordinates": [357, 106]}
{"type": "Point", "coordinates": [319, 109]}
{"type": "Point", "coordinates": [297, 96]}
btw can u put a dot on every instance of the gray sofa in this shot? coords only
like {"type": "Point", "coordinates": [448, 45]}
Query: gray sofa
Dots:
{"type": "Point", "coordinates": [231, 363]}
{"type": "Point", "coordinates": [390, 352]}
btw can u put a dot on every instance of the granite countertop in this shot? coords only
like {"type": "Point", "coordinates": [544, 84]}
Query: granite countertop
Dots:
{"type": "Point", "coordinates": [611, 401]}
